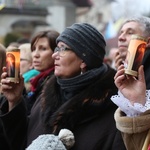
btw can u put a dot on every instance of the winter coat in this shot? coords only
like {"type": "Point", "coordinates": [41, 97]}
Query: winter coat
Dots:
{"type": "Point", "coordinates": [134, 129]}
{"type": "Point", "coordinates": [88, 114]}
{"type": "Point", "coordinates": [147, 67]}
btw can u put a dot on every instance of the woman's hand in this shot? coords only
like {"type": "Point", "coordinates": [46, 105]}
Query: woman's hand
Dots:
{"type": "Point", "coordinates": [12, 91]}
{"type": "Point", "coordinates": [132, 88]}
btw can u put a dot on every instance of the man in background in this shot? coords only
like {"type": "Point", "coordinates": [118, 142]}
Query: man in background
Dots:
{"type": "Point", "coordinates": [139, 25]}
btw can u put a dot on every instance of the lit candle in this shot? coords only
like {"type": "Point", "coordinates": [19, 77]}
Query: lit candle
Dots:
{"type": "Point", "coordinates": [13, 64]}
{"type": "Point", "coordinates": [135, 54]}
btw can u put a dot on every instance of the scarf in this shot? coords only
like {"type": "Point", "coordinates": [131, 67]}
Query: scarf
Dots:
{"type": "Point", "coordinates": [30, 74]}
{"type": "Point", "coordinates": [72, 86]}
{"type": "Point", "coordinates": [39, 78]}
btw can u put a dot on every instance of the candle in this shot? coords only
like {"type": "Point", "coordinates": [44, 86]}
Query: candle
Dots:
{"type": "Point", "coordinates": [135, 54]}
{"type": "Point", "coordinates": [13, 64]}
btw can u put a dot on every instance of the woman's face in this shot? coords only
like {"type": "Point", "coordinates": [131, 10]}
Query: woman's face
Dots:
{"type": "Point", "coordinates": [42, 55]}
{"type": "Point", "coordinates": [67, 63]}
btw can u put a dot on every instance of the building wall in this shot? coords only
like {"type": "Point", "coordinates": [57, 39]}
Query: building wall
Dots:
{"type": "Point", "coordinates": [8, 20]}
{"type": "Point", "coordinates": [98, 15]}
{"type": "Point", "coordinates": [61, 13]}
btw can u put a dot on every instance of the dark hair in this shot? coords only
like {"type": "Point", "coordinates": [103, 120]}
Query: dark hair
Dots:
{"type": "Point", "coordinates": [51, 35]}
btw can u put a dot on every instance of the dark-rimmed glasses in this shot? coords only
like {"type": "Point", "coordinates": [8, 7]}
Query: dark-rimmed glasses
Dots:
{"type": "Point", "coordinates": [61, 50]}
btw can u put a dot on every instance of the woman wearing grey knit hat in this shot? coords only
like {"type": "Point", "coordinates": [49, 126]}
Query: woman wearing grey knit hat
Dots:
{"type": "Point", "coordinates": [77, 97]}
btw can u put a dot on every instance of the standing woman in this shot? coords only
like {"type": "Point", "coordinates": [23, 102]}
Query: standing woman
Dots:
{"type": "Point", "coordinates": [42, 47]}
{"type": "Point", "coordinates": [26, 66]}
{"type": "Point", "coordinates": [76, 97]}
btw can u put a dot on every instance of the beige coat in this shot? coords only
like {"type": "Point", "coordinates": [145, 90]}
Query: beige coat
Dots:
{"type": "Point", "coordinates": [134, 130]}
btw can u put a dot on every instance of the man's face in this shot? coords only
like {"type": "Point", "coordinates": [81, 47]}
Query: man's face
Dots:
{"type": "Point", "coordinates": [125, 34]}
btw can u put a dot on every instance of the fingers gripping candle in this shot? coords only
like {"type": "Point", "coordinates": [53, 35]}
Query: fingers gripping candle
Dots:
{"type": "Point", "coordinates": [135, 54]}
{"type": "Point", "coordinates": [13, 64]}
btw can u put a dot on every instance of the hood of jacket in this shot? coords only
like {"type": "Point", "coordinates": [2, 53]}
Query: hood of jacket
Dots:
{"type": "Point", "coordinates": [132, 124]}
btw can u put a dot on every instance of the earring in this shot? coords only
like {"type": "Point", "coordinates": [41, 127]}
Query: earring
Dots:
{"type": "Point", "coordinates": [81, 72]}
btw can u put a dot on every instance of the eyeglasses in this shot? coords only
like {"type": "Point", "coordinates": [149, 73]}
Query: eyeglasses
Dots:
{"type": "Point", "coordinates": [23, 59]}
{"type": "Point", "coordinates": [61, 50]}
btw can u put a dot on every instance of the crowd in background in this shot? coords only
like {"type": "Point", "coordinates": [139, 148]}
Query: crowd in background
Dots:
{"type": "Point", "coordinates": [67, 81]}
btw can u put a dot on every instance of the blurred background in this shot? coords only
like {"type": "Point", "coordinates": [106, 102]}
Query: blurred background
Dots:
{"type": "Point", "coordinates": [22, 18]}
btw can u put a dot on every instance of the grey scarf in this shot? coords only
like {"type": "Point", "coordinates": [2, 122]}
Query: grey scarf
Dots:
{"type": "Point", "coordinates": [72, 86]}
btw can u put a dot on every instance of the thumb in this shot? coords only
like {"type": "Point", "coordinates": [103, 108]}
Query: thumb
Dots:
{"type": "Point", "coordinates": [21, 80]}
{"type": "Point", "coordinates": [141, 76]}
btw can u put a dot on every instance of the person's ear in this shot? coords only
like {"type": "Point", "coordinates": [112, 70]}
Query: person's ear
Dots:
{"type": "Point", "coordinates": [83, 67]}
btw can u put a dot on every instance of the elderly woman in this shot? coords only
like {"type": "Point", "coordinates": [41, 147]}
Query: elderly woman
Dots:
{"type": "Point", "coordinates": [26, 66]}
{"type": "Point", "coordinates": [77, 97]}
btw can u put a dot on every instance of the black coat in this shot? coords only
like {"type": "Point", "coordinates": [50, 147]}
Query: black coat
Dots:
{"type": "Point", "coordinates": [146, 63]}
{"type": "Point", "coordinates": [89, 115]}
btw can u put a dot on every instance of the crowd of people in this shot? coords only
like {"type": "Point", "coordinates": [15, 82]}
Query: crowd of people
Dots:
{"type": "Point", "coordinates": [66, 84]}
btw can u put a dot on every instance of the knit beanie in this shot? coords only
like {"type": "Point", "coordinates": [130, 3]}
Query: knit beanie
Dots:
{"type": "Point", "coordinates": [64, 141]}
{"type": "Point", "coordinates": [86, 41]}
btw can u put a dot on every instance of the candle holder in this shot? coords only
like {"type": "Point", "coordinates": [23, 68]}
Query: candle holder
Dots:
{"type": "Point", "coordinates": [13, 64]}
